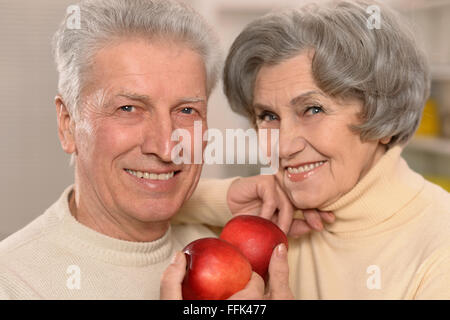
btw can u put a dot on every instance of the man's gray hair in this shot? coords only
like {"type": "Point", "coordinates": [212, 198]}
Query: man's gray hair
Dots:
{"type": "Point", "coordinates": [103, 21]}
{"type": "Point", "coordinates": [383, 67]}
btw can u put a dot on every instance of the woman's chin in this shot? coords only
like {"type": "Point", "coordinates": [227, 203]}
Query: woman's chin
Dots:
{"type": "Point", "coordinates": [302, 200]}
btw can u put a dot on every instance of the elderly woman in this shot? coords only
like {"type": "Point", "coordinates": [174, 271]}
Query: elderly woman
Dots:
{"type": "Point", "coordinates": [346, 99]}
{"type": "Point", "coordinates": [131, 74]}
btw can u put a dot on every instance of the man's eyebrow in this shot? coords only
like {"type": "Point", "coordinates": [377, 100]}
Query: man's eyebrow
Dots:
{"type": "Point", "coordinates": [147, 100]}
{"type": "Point", "coordinates": [191, 100]}
{"type": "Point", "coordinates": [299, 99]}
{"type": "Point", "coordinates": [134, 96]}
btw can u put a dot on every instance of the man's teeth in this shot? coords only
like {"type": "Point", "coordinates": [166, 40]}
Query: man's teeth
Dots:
{"type": "Point", "coordinates": [151, 176]}
{"type": "Point", "coordinates": [305, 168]}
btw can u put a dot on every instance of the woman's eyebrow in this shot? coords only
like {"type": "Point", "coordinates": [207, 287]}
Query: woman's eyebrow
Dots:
{"type": "Point", "coordinates": [260, 106]}
{"type": "Point", "coordinates": [294, 102]}
{"type": "Point", "coordinates": [301, 98]}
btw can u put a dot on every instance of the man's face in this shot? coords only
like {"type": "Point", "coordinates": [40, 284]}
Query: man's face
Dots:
{"type": "Point", "coordinates": [137, 94]}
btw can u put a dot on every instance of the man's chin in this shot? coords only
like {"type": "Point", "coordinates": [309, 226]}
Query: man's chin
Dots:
{"type": "Point", "coordinates": [151, 210]}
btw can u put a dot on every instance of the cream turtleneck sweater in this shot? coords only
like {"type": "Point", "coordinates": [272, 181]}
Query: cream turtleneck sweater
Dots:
{"type": "Point", "coordinates": [390, 240]}
{"type": "Point", "coordinates": [56, 257]}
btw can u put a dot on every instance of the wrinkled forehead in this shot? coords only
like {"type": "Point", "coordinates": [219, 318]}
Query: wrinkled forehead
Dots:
{"type": "Point", "coordinates": [142, 69]}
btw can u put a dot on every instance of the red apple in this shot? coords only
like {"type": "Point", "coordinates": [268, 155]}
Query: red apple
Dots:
{"type": "Point", "coordinates": [215, 270]}
{"type": "Point", "coordinates": [256, 238]}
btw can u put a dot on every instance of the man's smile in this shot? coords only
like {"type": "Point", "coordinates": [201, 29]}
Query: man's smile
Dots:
{"type": "Point", "coordinates": [153, 175]}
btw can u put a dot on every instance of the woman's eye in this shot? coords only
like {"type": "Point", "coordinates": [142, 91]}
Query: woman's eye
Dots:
{"type": "Point", "coordinates": [267, 116]}
{"type": "Point", "coordinates": [127, 108]}
{"type": "Point", "coordinates": [313, 110]}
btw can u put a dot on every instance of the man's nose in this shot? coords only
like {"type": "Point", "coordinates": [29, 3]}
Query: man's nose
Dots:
{"type": "Point", "coordinates": [157, 137]}
{"type": "Point", "coordinates": [292, 139]}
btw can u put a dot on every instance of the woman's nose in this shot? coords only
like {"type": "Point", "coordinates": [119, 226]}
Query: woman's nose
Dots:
{"type": "Point", "coordinates": [292, 139]}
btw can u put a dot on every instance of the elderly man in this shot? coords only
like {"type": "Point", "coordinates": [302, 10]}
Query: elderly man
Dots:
{"type": "Point", "coordinates": [134, 72]}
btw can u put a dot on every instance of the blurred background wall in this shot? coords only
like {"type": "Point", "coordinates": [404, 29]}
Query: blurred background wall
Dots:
{"type": "Point", "coordinates": [34, 169]}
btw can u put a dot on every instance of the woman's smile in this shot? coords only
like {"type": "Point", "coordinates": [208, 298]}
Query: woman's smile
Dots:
{"type": "Point", "coordinates": [303, 171]}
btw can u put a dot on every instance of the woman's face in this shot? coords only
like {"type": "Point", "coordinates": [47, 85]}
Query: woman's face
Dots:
{"type": "Point", "coordinates": [321, 158]}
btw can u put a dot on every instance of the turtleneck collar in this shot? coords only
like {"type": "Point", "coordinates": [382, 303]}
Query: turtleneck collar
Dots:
{"type": "Point", "coordinates": [377, 197]}
{"type": "Point", "coordinates": [108, 249]}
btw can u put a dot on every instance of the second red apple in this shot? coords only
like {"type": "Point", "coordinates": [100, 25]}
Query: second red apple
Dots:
{"type": "Point", "coordinates": [256, 238]}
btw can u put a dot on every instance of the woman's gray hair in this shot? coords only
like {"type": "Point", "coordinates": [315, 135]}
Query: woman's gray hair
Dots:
{"type": "Point", "coordinates": [383, 67]}
{"type": "Point", "coordinates": [103, 21]}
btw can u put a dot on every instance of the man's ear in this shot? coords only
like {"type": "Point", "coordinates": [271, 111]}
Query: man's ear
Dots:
{"type": "Point", "coordinates": [386, 140]}
{"type": "Point", "coordinates": [66, 123]}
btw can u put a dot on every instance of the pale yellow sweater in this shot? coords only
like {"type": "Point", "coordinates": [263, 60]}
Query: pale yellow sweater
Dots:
{"type": "Point", "coordinates": [391, 238]}
{"type": "Point", "coordinates": [56, 257]}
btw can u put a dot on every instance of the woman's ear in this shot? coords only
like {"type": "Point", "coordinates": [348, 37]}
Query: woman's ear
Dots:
{"type": "Point", "coordinates": [66, 123]}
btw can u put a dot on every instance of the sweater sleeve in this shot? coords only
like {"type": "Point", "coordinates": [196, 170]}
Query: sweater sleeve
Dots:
{"type": "Point", "coordinates": [3, 294]}
{"type": "Point", "coordinates": [13, 288]}
{"type": "Point", "coordinates": [208, 204]}
{"type": "Point", "coordinates": [436, 283]}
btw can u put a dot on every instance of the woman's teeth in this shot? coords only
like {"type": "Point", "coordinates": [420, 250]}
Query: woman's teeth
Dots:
{"type": "Point", "coordinates": [305, 168]}
{"type": "Point", "coordinates": [151, 176]}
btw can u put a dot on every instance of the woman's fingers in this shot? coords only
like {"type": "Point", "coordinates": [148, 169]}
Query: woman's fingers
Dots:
{"type": "Point", "coordinates": [263, 196]}
{"type": "Point", "coordinates": [313, 219]}
{"type": "Point", "coordinates": [279, 275]}
{"type": "Point", "coordinates": [254, 290]}
{"type": "Point", "coordinates": [285, 210]}
{"type": "Point", "coordinates": [268, 194]}
{"type": "Point", "coordinates": [298, 228]}
{"type": "Point", "coordinates": [327, 216]}
{"type": "Point", "coordinates": [172, 278]}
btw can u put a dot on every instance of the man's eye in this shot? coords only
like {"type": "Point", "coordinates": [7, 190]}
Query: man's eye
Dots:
{"type": "Point", "coordinates": [267, 116]}
{"type": "Point", "coordinates": [313, 110]}
{"type": "Point", "coordinates": [127, 108]}
{"type": "Point", "coordinates": [187, 110]}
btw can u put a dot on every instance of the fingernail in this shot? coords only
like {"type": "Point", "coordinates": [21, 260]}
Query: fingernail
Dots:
{"type": "Point", "coordinates": [281, 250]}
{"type": "Point", "coordinates": [318, 225]}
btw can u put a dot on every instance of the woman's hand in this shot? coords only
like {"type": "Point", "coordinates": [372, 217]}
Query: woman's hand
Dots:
{"type": "Point", "coordinates": [277, 286]}
{"type": "Point", "coordinates": [261, 195]}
